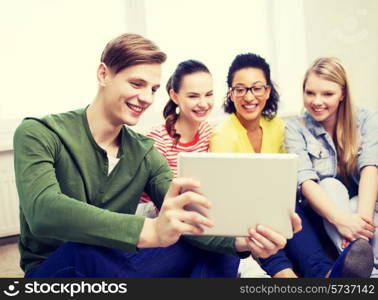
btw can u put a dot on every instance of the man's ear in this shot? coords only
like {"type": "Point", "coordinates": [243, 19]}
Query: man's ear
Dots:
{"type": "Point", "coordinates": [173, 96]}
{"type": "Point", "coordinates": [103, 74]}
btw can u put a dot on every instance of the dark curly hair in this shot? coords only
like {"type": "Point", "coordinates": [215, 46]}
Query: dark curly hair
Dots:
{"type": "Point", "coordinates": [186, 67]}
{"type": "Point", "coordinates": [250, 60]}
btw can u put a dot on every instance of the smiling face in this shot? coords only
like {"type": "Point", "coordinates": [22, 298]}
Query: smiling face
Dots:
{"type": "Point", "coordinates": [322, 98]}
{"type": "Point", "coordinates": [249, 107]}
{"type": "Point", "coordinates": [195, 96]}
{"type": "Point", "coordinates": [128, 93]}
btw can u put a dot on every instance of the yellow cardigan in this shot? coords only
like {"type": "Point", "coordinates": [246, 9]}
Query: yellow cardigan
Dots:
{"type": "Point", "coordinates": [231, 136]}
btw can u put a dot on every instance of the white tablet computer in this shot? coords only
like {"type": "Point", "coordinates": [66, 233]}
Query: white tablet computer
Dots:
{"type": "Point", "coordinates": [245, 189]}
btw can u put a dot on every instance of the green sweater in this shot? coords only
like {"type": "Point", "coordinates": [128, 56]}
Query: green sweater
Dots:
{"type": "Point", "coordinates": [66, 193]}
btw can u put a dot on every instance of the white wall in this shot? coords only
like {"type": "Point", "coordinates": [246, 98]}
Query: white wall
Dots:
{"type": "Point", "coordinates": [202, 30]}
{"type": "Point", "coordinates": [347, 29]}
{"type": "Point", "coordinates": [49, 53]}
{"type": "Point", "coordinates": [214, 32]}
{"type": "Point", "coordinates": [50, 48]}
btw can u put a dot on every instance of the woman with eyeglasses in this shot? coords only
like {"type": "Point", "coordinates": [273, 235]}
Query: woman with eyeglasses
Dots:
{"type": "Point", "coordinates": [338, 149]}
{"type": "Point", "coordinates": [252, 103]}
{"type": "Point", "coordinates": [253, 127]}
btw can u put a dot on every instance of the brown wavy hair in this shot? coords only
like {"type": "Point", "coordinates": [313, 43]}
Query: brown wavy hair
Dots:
{"type": "Point", "coordinates": [174, 83]}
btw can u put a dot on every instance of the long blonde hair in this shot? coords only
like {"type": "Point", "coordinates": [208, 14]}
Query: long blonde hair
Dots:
{"type": "Point", "coordinates": [330, 68]}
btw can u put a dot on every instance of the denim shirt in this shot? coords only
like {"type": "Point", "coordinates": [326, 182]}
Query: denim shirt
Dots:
{"type": "Point", "coordinates": [316, 149]}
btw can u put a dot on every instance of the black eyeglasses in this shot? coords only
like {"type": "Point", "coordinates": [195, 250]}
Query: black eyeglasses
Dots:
{"type": "Point", "coordinates": [256, 90]}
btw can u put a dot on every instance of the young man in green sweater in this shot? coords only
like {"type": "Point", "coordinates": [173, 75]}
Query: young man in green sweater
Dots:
{"type": "Point", "coordinates": [80, 175]}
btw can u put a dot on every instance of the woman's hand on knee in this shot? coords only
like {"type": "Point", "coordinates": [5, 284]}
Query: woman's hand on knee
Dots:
{"type": "Point", "coordinates": [353, 226]}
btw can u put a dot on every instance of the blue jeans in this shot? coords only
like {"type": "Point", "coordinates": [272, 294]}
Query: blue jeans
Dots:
{"type": "Point", "coordinates": [304, 252]}
{"type": "Point", "coordinates": [179, 260]}
{"type": "Point", "coordinates": [340, 196]}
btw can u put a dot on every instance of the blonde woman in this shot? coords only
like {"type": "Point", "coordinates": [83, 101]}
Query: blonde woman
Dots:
{"type": "Point", "coordinates": [338, 149]}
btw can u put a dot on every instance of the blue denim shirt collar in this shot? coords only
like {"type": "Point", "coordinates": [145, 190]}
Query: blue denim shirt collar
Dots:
{"type": "Point", "coordinates": [316, 150]}
{"type": "Point", "coordinates": [313, 126]}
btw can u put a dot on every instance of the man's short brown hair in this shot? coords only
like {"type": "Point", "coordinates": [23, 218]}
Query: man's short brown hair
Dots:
{"type": "Point", "coordinates": [131, 49]}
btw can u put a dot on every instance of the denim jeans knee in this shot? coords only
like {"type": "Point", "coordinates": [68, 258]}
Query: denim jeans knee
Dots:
{"type": "Point", "coordinates": [337, 191]}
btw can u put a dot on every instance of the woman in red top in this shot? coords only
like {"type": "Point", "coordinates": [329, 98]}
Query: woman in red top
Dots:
{"type": "Point", "coordinates": [190, 91]}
